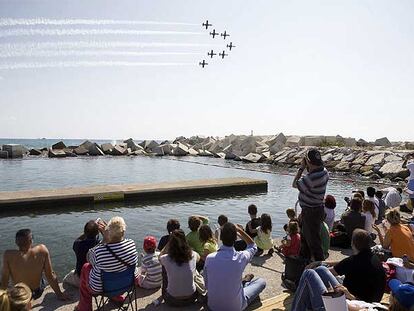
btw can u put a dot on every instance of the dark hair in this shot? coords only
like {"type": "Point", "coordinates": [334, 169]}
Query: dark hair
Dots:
{"type": "Point", "coordinates": [178, 249]}
{"type": "Point", "coordinates": [369, 206]}
{"type": "Point", "coordinates": [206, 234]}
{"type": "Point", "coordinates": [173, 224]}
{"type": "Point", "coordinates": [23, 236]}
{"type": "Point", "coordinates": [370, 191]}
{"type": "Point", "coordinates": [290, 212]}
{"type": "Point", "coordinates": [90, 230]}
{"type": "Point", "coordinates": [379, 194]}
{"type": "Point", "coordinates": [356, 205]}
{"type": "Point", "coordinates": [228, 234]}
{"type": "Point", "coordinates": [399, 189]}
{"type": "Point", "coordinates": [330, 202]}
{"type": "Point", "coordinates": [252, 209]}
{"type": "Point", "coordinates": [266, 223]}
{"type": "Point", "coordinates": [293, 227]}
{"type": "Point", "coordinates": [222, 219]}
{"type": "Point", "coordinates": [194, 223]}
{"type": "Point", "coordinates": [361, 240]}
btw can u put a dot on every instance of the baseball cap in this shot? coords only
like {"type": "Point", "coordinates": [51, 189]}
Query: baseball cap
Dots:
{"type": "Point", "coordinates": [150, 243]}
{"type": "Point", "coordinates": [403, 292]}
{"type": "Point", "coordinates": [314, 157]}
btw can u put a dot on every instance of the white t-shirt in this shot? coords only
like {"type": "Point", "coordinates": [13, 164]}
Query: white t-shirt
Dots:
{"type": "Point", "coordinates": [330, 217]}
{"type": "Point", "coordinates": [369, 221]}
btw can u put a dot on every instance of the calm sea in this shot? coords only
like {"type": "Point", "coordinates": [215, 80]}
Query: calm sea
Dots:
{"type": "Point", "coordinates": [58, 227]}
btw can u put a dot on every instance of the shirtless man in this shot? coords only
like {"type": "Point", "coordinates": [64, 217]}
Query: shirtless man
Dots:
{"type": "Point", "coordinates": [28, 264]}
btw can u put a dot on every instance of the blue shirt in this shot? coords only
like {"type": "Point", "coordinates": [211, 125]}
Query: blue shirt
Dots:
{"type": "Point", "coordinates": [223, 273]}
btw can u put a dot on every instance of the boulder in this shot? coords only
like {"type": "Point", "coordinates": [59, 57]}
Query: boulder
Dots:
{"type": "Point", "coordinates": [349, 157]}
{"type": "Point", "coordinates": [245, 146]}
{"type": "Point", "coordinates": [252, 158]}
{"type": "Point", "coordinates": [266, 155]}
{"type": "Point", "coordinates": [107, 148]}
{"type": "Point", "coordinates": [119, 150]}
{"type": "Point", "coordinates": [338, 157]}
{"type": "Point", "coordinates": [94, 150]}
{"type": "Point", "coordinates": [367, 173]}
{"type": "Point", "coordinates": [355, 168]}
{"type": "Point", "coordinates": [139, 152]}
{"type": "Point", "coordinates": [4, 154]}
{"type": "Point", "coordinates": [362, 143]}
{"type": "Point", "coordinates": [327, 157]}
{"type": "Point", "coordinates": [35, 152]}
{"type": "Point", "coordinates": [343, 167]}
{"type": "Point", "coordinates": [365, 168]}
{"type": "Point", "coordinates": [392, 158]}
{"type": "Point", "coordinates": [204, 153]}
{"type": "Point", "coordinates": [394, 169]}
{"type": "Point", "coordinates": [350, 142]}
{"type": "Point", "coordinates": [294, 141]}
{"type": "Point", "coordinates": [132, 145]}
{"type": "Point", "coordinates": [148, 145]}
{"type": "Point", "coordinates": [409, 145]}
{"type": "Point", "coordinates": [384, 142]}
{"type": "Point", "coordinates": [59, 153]}
{"type": "Point", "coordinates": [165, 149]}
{"type": "Point", "coordinates": [180, 150]}
{"type": "Point", "coordinates": [192, 152]}
{"type": "Point", "coordinates": [86, 144]}
{"type": "Point", "coordinates": [59, 145]}
{"type": "Point", "coordinates": [278, 139]}
{"type": "Point", "coordinates": [81, 150]}
{"type": "Point", "coordinates": [13, 150]}
{"type": "Point", "coordinates": [361, 159]}
{"type": "Point", "coordinates": [313, 140]}
{"type": "Point", "coordinates": [228, 152]}
{"type": "Point", "coordinates": [376, 159]}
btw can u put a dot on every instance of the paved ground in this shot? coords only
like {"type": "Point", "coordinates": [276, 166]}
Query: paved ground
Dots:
{"type": "Point", "coordinates": [269, 268]}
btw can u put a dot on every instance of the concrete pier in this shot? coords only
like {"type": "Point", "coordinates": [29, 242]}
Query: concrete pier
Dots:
{"type": "Point", "coordinates": [129, 192]}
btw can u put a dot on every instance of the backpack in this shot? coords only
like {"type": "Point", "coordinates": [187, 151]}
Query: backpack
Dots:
{"type": "Point", "coordinates": [294, 267]}
{"type": "Point", "coordinates": [340, 239]}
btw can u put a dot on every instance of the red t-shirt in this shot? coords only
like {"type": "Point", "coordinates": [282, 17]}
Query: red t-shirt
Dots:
{"type": "Point", "coordinates": [294, 247]}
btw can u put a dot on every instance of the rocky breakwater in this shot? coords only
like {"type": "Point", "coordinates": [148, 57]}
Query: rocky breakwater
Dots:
{"type": "Point", "coordinates": [380, 159]}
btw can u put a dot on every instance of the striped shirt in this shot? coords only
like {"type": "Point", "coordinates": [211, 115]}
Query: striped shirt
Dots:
{"type": "Point", "coordinates": [152, 269]}
{"type": "Point", "coordinates": [312, 188]}
{"type": "Point", "coordinates": [102, 260]}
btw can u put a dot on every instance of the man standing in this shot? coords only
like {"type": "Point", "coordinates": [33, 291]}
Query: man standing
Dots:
{"type": "Point", "coordinates": [223, 272]}
{"type": "Point", "coordinates": [312, 188]}
{"type": "Point", "coordinates": [27, 265]}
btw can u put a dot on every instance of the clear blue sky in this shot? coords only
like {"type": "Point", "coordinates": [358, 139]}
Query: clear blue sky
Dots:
{"type": "Point", "coordinates": [302, 67]}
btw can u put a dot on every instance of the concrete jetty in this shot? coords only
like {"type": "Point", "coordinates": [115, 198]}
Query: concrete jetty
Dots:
{"type": "Point", "coordinates": [129, 192]}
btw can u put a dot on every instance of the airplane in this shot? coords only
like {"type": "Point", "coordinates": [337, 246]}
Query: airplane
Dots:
{"type": "Point", "coordinates": [223, 54]}
{"type": "Point", "coordinates": [206, 24]}
{"type": "Point", "coordinates": [214, 33]}
{"type": "Point", "coordinates": [203, 63]}
{"type": "Point", "coordinates": [211, 54]}
{"type": "Point", "coordinates": [230, 46]}
{"type": "Point", "coordinates": [224, 35]}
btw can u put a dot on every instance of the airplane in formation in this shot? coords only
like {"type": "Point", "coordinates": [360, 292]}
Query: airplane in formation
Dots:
{"type": "Point", "coordinates": [224, 35]}
{"type": "Point", "coordinates": [211, 54]}
{"type": "Point", "coordinates": [214, 33]}
{"type": "Point", "coordinates": [223, 54]}
{"type": "Point", "coordinates": [206, 24]}
{"type": "Point", "coordinates": [203, 63]}
{"type": "Point", "coordinates": [230, 46]}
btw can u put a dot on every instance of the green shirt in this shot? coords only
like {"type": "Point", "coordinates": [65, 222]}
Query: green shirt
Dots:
{"type": "Point", "coordinates": [325, 238]}
{"type": "Point", "coordinates": [193, 239]}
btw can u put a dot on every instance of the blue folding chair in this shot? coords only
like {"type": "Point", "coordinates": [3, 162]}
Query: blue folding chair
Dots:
{"type": "Point", "coordinates": [115, 284]}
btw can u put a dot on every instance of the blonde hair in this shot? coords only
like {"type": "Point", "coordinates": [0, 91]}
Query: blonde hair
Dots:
{"type": "Point", "coordinates": [116, 228]}
{"type": "Point", "coordinates": [393, 216]}
{"type": "Point", "coordinates": [16, 298]}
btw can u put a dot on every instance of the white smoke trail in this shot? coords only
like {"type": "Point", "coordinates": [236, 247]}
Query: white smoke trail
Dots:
{"type": "Point", "coordinates": [68, 53]}
{"type": "Point", "coordinates": [62, 22]}
{"type": "Point", "coordinates": [88, 32]}
{"type": "Point", "coordinates": [68, 64]}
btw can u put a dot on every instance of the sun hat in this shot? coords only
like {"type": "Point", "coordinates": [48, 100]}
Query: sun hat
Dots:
{"type": "Point", "coordinates": [403, 292]}
{"type": "Point", "coordinates": [150, 243]}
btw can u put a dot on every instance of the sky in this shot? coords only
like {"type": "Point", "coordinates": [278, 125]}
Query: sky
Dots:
{"type": "Point", "coordinates": [118, 69]}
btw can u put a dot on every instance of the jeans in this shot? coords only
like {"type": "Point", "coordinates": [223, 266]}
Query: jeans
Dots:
{"type": "Point", "coordinates": [253, 289]}
{"type": "Point", "coordinates": [311, 243]}
{"type": "Point", "coordinates": [312, 284]}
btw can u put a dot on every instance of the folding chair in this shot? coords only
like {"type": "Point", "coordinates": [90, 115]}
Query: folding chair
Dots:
{"type": "Point", "coordinates": [115, 284]}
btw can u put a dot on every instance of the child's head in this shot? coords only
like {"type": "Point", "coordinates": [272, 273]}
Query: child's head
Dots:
{"type": "Point", "coordinates": [194, 223]}
{"type": "Point", "coordinates": [206, 234]}
{"type": "Point", "coordinates": [172, 224]}
{"type": "Point", "coordinates": [266, 223]}
{"type": "Point", "coordinates": [368, 206]}
{"type": "Point", "coordinates": [293, 227]}
{"type": "Point", "coordinates": [330, 201]}
{"type": "Point", "coordinates": [150, 244]}
{"type": "Point", "coordinates": [290, 212]}
{"type": "Point", "coordinates": [252, 209]}
{"type": "Point", "coordinates": [222, 219]}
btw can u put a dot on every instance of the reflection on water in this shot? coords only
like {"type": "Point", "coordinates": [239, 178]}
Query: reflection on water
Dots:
{"type": "Point", "coordinates": [58, 227]}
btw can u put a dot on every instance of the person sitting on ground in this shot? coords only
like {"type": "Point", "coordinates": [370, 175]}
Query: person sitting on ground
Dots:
{"type": "Point", "coordinates": [353, 219]}
{"type": "Point", "coordinates": [81, 247]}
{"type": "Point", "coordinates": [381, 205]}
{"type": "Point", "coordinates": [223, 273]}
{"type": "Point", "coordinates": [209, 243]}
{"type": "Point", "coordinates": [393, 197]}
{"type": "Point", "coordinates": [254, 221]}
{"type": "Point", "coordinates": [364, 277]}
{"type": "Point", "coordinates": [115, 254]}
{"type": "Point", "coordinates": [17, 298]}
{"type": "Point", "coordinates": [371, 197]}
{"type": "Point", "coordinates": [398, 238]}
{"type": "Point", "coordinates": [179, 261]}
{"type": "Point", "coordinates": [326, 239]}
{"type": "Point", "coordinates": [172, 224]}
{"type": "Point", "coordinates": [402, 296]}
{"type": "Point", "coordinates": [27, 265]}
{"type": "Point", "coordinates": [330, 204]}
{"type": "Point", "coordinates": [264, 239]}
{"type": "Point", "coordinates": [368, 210]}
{"type": "Point", "coordinates": [291, 214]}
{"type": "Point", "coordinates": [222, 220]}
{"type": "Point", "coordinates": [193, 237]}
{"type": "Point", "coordinates": [150, 273]}
{"type": "Point", "coordinates": [291, 245]}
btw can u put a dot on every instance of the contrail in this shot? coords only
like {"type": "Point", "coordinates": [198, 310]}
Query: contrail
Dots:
{"type": "Point", "coordinates": [68, 64]}
{"type": "Point", "coordinates": [65, 53]}
{"type": "Point", "coordinates": [62, 22]}
{"type": "Point", "coordinates": [88, 32]}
